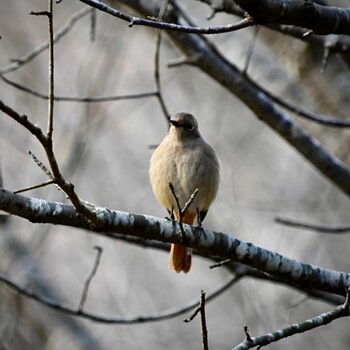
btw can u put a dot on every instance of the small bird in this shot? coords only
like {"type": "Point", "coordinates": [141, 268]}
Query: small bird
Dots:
{"type": "Point", "coordinates": [186, 161]}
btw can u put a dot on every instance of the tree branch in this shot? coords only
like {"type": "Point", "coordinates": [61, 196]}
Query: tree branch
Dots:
{"type": "Point", "coordinates": [136, 319]}
{"type": "Point", "coordinates": [205, 56]}
{"type": "Point", "coordinates": [311, 227]}
{"type": "Point", "coordinates": [155, 23]}
{"type": "Point", "coordinates": [301, 13]}
{"type": "Point", "coordinates": [58, 178]}
{"type": "Point", "coordinates": [83, 99]}
{"type": "Point", "coordinates": [205, 241]}
{"type": "Point", "coordinates": [312, 323]}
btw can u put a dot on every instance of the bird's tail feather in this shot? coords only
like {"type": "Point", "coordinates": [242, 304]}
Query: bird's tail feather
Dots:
{"type": "Point", "coordinates": [180, 257]}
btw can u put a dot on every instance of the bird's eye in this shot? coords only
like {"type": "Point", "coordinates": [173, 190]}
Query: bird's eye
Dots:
{"type": "Point", "coordinates": [189, 127]}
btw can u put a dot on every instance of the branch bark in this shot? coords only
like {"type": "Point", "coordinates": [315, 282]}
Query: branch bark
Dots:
{"type": "Point", "coordinates": [307, 325]}
{"type": "Point", "coordinates": [205, 241]}
{"type": "Point", "coordinates": [301, 13]}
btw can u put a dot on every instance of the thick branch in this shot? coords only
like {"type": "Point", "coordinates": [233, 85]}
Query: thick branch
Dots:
{"type": "Point", "coordinates": [204, 55]}
{"type": "Point", "coordinates": [205, 241]}
{"type": "Point", "coordinates": [301, 13]}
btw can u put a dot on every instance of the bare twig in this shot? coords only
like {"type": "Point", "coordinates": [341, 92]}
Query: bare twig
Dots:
{"type": "Point", "coordinates": [155, 317]}
{"type": "Point", "coordinates": [157, 67]}
{"type": "Point", "coordinates": [204, 323]}
{"type": "Point", "coordinates": [182, 230]}
{"type": "Point", "coordinates": [311, 227]}
{"type": "Point", "coordinates": [157, 77]}
{"type": "Point", "coordinates": [307, 325]}
{"type": "Point", "coordinates": [51, 73]}
{"type": "Point", "coordinates": [190, 201]}
{"type": "Point", "coordinates": [314, 117]}
{"type": "Point", "coordinates": [172, 189]}
{"type": "Point", "coordinates": [247, 334]}
{"type": "Point", "coordinates": [49, 15]}
{"type": "Point", "coordinates": [220, 263]}
{"type": "Point", "coordinates": [182, 211]}
{"type": "Point", "coordinates": [40, 164]}
{"type": "Point", "coordinates": [132, 20]}
{"type": "Point", "coordinates": [43, 184]}
{"type": "Point", "coordinates": [89, 278]}
{"type": "Point", "coordinates": [201, 309]}
{"type": "Point", "coordinates": [87, 99]}
{"type": "Point", "coordinates": [194, 314]}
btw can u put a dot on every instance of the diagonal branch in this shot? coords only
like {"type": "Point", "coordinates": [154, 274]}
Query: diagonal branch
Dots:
{"type": "Point", "coordinates": [203, 54]}
{"type": "Point", "coordinates": [307, 325]}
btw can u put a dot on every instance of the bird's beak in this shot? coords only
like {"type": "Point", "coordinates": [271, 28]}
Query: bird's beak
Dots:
{"type": "Point", "coordinates": [174, 123]}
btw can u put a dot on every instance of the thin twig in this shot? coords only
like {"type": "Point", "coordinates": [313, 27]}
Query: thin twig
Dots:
{"type": "Point", "coordinates": [40, 164]}
{"type": "Point", "coordinates": [220, 263]}
{"type": "Point", "coordinates": [43, 184]}
{"type": "Point", "coordinates": [49, 15]}
{"type": "Point", "coordinates": [190, 201]}
{"type": "Point", "coordinates": [311, 227]}
{"type": "Point", "coordinates": [201, 309]}
{"type": "Point", "coordinates": [89, 278]}
{"type": "Point", "coordinates": [86, 99]}
{"type": "Point", "coordinates": [51, 74]}
{"type": "Point", "coordinates": [182, 230]}
{"type": "Point", "coordinates": [155, 317]}
{"type": "Point", "coordinates": [307, 325]}
{"type": "Point", "coordinates": [247, 334]}
{"type": "Point", "coordinates": [314, 117]}
{"type": "Point", "coordinates": [156, 64]}
{"type": "Point", "coordinates": [194, 314]}
{"type": "Point", "coordinates": [204, 323]}
{"type": "Point", "coordinates": [132, 20]}
{"type": "Point", "coordinates": [182, 211]}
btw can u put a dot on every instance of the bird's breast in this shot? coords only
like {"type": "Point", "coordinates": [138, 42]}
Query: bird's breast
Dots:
{"type": "Point", "coordinates": [187, 167]}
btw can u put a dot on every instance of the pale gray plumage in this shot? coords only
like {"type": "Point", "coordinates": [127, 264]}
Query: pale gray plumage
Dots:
{"type": "Point", "coordinates": [188, 162]}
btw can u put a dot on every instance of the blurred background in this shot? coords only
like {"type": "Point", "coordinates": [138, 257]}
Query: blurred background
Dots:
{"type": "Point", "coordinates": [104, 149]}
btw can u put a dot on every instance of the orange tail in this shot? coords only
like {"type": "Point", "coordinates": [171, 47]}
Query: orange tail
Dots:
{"type": "Point", "coordinates": [180, 257]}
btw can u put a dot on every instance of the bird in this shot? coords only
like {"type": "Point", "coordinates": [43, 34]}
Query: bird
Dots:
{"type": "Point", "coordinates": [186, 161]}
